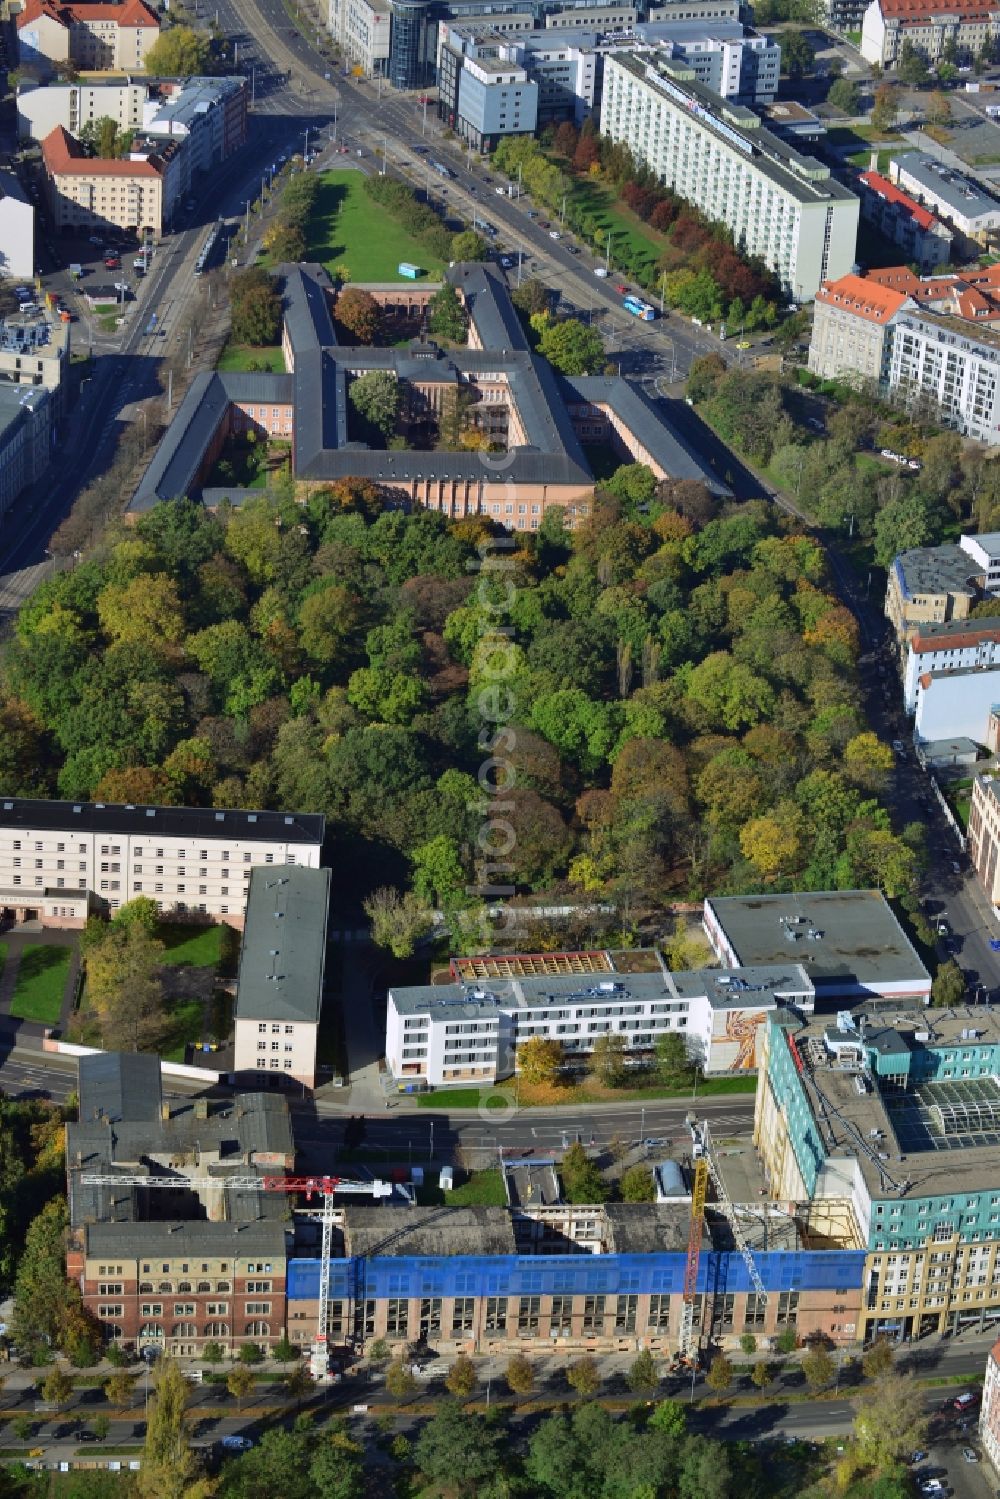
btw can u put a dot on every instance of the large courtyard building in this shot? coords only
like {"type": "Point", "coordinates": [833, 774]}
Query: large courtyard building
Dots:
{"type": "Point", "coordinates": [780, 205]}
{"type": "Point", "coordinates": [92, 37]}
{"type": "Point", "coordinates": [510, 396]}
{"type": "Point", "coordinates": [882, 1126]}
{"type": "Point", "coordinates": [56, 857]}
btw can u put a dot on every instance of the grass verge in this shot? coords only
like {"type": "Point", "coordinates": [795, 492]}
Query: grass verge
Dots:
{"type": "Point", "coordinates": [545, 1096]}
{"type": "Point", "coordinates": [41, 983]}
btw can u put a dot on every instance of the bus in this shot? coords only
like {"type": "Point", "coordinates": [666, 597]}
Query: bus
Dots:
{"type": "Point", "coordinates": [638, 308]}
{"type": "Point", "coordinates": [409, 270]}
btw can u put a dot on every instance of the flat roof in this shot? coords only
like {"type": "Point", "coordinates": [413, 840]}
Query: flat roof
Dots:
{"type": "Point", "coordinates": [989, 541]}
{"type": "Point", "coordinates": [388, 1229]}
{"type": "Point", "coordinates": [284, 944]}
{"type": "Point", "coordinates": [800, 177]}
{"type": "Point", "coordinates": [898, 1124]}
{"type": "Point", "coordinates": [834, 934]}
{"type": "Point", "coordinates": [724, 989]}
{"type": "Point", "coordinates": [650, 1227]}
{"type": "Point", "coordinates": [743, 988]}
{"type": "Point", "coordinates": [959, 194]}
{"type": "Point", "coordinates": [173, 822]}
{"type": "Point", "coordinates": [935, 570]}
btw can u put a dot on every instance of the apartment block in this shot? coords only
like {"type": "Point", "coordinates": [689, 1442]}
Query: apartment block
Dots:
{"type": "Point", "coordinates": [783, 206]}
{"type": "Point", "coordinates": [960, 645]}
{"type": "Point", "coordinates": [17, 230]}
{"type": "Point", "coordinates": [95, 193]}
{"type": "Point", "coordinates": [881, 1125]}
{"type": "Point", "coordinates": [930, 29]}
{"type": "Point", "coordinates": [188, 1261]}
{"type": "Point", "coordinates": [922, 238]}
{"type": "Point", "coordinates": [955, 703]}
{"type": "Point", "coordinates": [964, 204]}
{"type": "Point", "coordinates": [190, 860]}
{"type": "Point", "coordinates": [851, 329]}
{"type": "Point", "coordinates": [27, 424]}
{"type": "Point", "coordinates": [96, 37]}
{"type": "Point", "coordinates": [984, 835]}
{"type": "Point", "coordinates": [279, 994]}
{"type": "Point", "coordinates": [928, 586]}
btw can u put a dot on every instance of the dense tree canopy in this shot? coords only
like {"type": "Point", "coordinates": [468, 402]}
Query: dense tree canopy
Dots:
{"type": "Point", "coordinates": [678, 712]}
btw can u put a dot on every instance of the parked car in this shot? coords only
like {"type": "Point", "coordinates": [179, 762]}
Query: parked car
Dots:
{"type": "Point", "coordinates": [600, 270]}
{"type": "Point", "coordinates": [88, 1436]}
{"type": "Point", "coordinates": [554, 234]}
{"type": "Point", "coordinates": [965, 1402]}
{"type": "Point", "coordinates": [970, 1454]}
{"type": "Point", "coordinates": [237, 1443]}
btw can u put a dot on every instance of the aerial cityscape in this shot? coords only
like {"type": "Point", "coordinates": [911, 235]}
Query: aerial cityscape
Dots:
{"type": "Point", "coordinates": [499, 749]}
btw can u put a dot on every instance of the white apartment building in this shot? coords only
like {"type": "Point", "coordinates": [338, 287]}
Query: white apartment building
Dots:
{"type": "Point", "coordinates": [190, 860]}
{"type": "Point", "coordinates": [279, 993]}
{"type": "Point", "coordinates": [364, 31]}
{"type": "Point", "coordinates": [955, 703]}
{"type": "Point", "coordinates": [963, 203]}
{"type": "Point", "coordinates": [934, 359]}
{"type": "Point", "coordinates": [17, 230]}
{"type": "Point", "coordinates": [959, 645]}
{"type": "Point", "coordinates": [780, 205]}
{"type": "Point", "coordinates": [888, 24]}
{"type": "Point", "coordinates": [451, 1034]}
{"type": "Point", "coordinates": [72, 105]}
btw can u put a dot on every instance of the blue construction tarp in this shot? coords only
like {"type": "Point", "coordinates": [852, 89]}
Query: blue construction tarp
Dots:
{"type": "Point", "coordinates": [576, 1275]}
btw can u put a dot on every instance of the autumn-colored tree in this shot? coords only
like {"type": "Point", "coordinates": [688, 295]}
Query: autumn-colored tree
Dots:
{"type": "Point", "coordinates": [57, 1386]}
{"type": "Point", "coordinates": [584, 1376]}
{"type": "Point", "coordinates": [818, 1367]}
{"type": "Point", "coordinates": [399, 1381]}
{"type": "Point", "coordinates": [460, 1380]}
{"type": "Point", "coordinates": [761, 1375]}
{"type": "Point", "coordinates": [239, 1382]}
{"type": "Point", "coordinates": [891, 1419]}
{"type": "Point", "coordinates": [118, 1389]}
{"type": "Point", "coordinates": [540, 1059]}
{"type": "Point", "coordinates": [771, 843]}
{"type": "Point", "coordinates": [357, 311]}
{"type": "Point", "coordinates": [720, 1374]}
{"type": "Point", "coordinates": [520, 1374]}
{"type": "Point", "coordinates": [878, 1359]}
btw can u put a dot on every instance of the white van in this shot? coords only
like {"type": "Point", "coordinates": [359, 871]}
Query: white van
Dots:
{"type": "Point", "coordinates": [446, 1179]}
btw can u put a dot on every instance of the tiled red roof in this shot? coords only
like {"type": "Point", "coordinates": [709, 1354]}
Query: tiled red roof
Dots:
{"type": "Point", "coordinates": [922, 10]}
{"type": "Point", "coordinates": [130, 13]}
{"type": "Point", "coordinates": [864, 297]}
{"type": "Point", "coordinates": [63, 156]}
{"type": "Point", "coordinates": [886, 189]}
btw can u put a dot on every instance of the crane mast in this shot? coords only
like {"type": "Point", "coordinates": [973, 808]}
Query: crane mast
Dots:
{"type": "Point", "coordinates": [326, 1187]}
{"type": "Point", "coordinates": [705, 1168]}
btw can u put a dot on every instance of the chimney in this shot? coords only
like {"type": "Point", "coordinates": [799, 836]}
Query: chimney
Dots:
{"type": "Point", "coordinates": [164, 1111]}
{"type": "Point", "coordinates": [201, 1108]}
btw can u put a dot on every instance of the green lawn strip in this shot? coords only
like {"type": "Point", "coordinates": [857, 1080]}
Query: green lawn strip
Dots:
{"type": "Point", "coordinates": [348, 228]}
{"type": "Point", "coordinates": [484, 1189]}
{"type": "Point", "coordinates": [474, 1098]}
{"type": "Point", "coordinates": [599, 203]}
{"type": "Point", "coordinates": [41, 983]}
{"type": "Point", "coordinates": [199, 946]}
{"type": "Point", "coordinates": [245, 357]}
